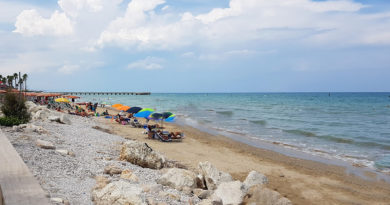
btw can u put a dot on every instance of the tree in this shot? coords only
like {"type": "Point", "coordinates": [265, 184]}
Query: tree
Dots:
{"type": "Point", "coordinates": [14, 109]}
{"type": "Point", "coordinates": [10, 80]}
{"type": "Point", "coordinates": [16, 80]}
{"type": "Point", "coordinates": [20, 84]}
{"type": "Point", "coordinates": [25, 76]}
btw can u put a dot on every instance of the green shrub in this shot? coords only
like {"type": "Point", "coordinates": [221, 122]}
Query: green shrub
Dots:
{"type": "Point", "coordinates": [14, 108]}
{"type": "Point", "coordinates": [11, 121]}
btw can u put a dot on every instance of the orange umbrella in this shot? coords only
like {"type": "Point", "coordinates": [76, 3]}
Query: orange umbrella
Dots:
{"type": "Point", "coordinates": [124, 108]}
{"type": "Point", "coordinates": [116, 105]}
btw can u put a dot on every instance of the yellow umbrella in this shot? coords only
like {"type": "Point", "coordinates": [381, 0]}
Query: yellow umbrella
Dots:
{"type": "Point", "coordinates": [62, 100]}
{"type": "Point", "coordinates": [124, 108]}
{"type": "Point", "coordinates": [116, 105]}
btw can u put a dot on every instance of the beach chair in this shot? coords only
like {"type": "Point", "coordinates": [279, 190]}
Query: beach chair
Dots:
{"type": "Point", "coordinates": [163, 137]}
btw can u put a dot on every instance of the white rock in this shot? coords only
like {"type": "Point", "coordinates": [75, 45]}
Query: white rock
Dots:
{"type": "Point", "coordinates": [42, 114]}
{"type": "Point", "coordinates": [202, 194]}
{"type": "Point", "coordinates": [64, 119]}
{"type": "Point", "coordinates": [212, 175]}
{"type": "Point", "coordinates": [56, 200]}
{"type": "Point", "coordinates": [255, 178]}
{"type": "Point", "coordinates": [118, 193]}
{"type": "Point", "coordinates": [62, 151]}
{"type": "Point", "coordinates": [258, 194]}
{"type": "Point", "coordinates": [45, 144]}
{"type": "Point", "coordinates": [142, 155]}
{"type": "Point", "coordinates": [129, 175]}
{"type": "Point", "coordinates": [230, 192]}
{"type": "Point", "coordinates": [54, 118]}
{"type": "Point", "coordinates": [178, 179]}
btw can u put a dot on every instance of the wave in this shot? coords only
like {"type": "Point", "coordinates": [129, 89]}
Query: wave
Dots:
{"type": "Point", "coordinates": [258, 122]}
{"type": "Point", "coordinates": [225, 113]}
{"type": "Point", "coordinates": [325, 137]}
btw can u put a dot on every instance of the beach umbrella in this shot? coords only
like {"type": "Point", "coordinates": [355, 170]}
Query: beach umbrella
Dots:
{"type": "Point", "coordinates": [155, 116]}
{"type": "Point", "coordinates": [124, 108]}
{"type": "Point", "coordinates": [165, 115]}
{"type": "Point", "coordinates": [116, 105]}
{"type": "Point", "coordinates": [62, 100]}
{"type": "Point", "coordinates": [134, 110]}
{"type": "Point", "coordinates": [144, 112]}
{"type": "Point", "coordinates": [170, 118]}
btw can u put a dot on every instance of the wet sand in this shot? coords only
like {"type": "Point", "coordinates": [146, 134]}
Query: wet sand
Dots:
{"type": "Point", "coordinates": [302, 181]}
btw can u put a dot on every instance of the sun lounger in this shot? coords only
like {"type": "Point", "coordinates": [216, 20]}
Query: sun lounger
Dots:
{"type": "Point", "coordinates": [162, 137]}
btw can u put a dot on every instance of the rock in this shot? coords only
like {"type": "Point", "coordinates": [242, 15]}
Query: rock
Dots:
{"type": "Point", "coordinates": [169, 195]}
{"type": "Point", "coordinates": [214, 200]}
{"type": "Point", "coordinates": [54, 118]}
{"type": "Point", "coordinates": [30, 128]}
{"type": "Point", "coordinates": [42, 114]}
{"type": "Point", "coordinates": [212, 176]}
{"type": "Point", "coordinates": [154, 188]}
{"type": "Point", "coordinates": [258, 194]}
{"type": "Point", "coordinates": [255, 178]}
{"type": "Point", "coordinates": [72, 154]}
{"type": "Point", "coordinates": [129, 175]}
{"type": "Point", "coordinates": [230, 192]}
{"type": "Point", "coordinates": [45, 144]}
{"type": "Point", "coordinates": [101, 182]}
{"type": "Point", "coordinates": [200, 182]}
{"type": "Point", "coordinates": [56, 200]}
{"type": "Point", "coordinates": [202, 194]}
{"type": "Point", "coordinates": [118, 193]}
{"type": "Point", "coordinates": [66, 202]}
{"type": "Point", "coordinates": [141, 154]}
{"type": "Point", "coordinates": [62, 151]}
{"type": "Point", "coordinates": [178, 179]}
{"type": "Point", "coordinates": [111, 170]}
{"type": "Point", "coordinates": [64, 119]}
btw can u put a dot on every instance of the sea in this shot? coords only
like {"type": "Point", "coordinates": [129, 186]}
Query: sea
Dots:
{"type": "Point", "coordinates": [351, 127]}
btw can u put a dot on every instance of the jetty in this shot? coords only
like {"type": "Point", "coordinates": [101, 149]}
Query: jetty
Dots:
{"type": "Point", "coordinates": [104, 93]}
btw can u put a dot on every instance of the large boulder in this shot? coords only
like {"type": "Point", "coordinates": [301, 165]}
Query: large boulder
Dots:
{"type": "Point", "coordinates": [212, 176]}
{"type": "Point", "coordinates": [65, 120]}
{"type": "Point", "coordinates": [42, 114]}
{"type": "Point", "coordinates": [118, 193]}
{"type": "Point", "coordinates": [230, 192]}
{"type": "Point", "coordinates": [178, 179]}
{"type": "Point", "coordinates": [255, 178]}
{"type": "Point", "coordinates": [258, 194]}
{"type": "Point", "coordinates": [141, 154]}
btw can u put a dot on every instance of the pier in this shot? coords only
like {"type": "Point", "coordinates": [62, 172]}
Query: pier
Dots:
{"type": "Point", "coordinates": [104, 93]}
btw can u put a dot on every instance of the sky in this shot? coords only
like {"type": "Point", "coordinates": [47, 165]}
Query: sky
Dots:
{"type": "Point", "coordinates": [198, 45]}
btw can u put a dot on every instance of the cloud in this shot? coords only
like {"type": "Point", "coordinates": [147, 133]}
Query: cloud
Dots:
{"type": "Point", "coordinates": [29, 22]}
{"type": "Point", "coordinates": [74, 7]}
{"type": "Point", "coordinates": [245, 21]}
{"type": "Point", "coordinates": [149, 63]}
{"type": "Point", "coordinates": [68, 69]}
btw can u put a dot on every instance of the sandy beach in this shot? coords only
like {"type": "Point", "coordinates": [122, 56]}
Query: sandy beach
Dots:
{"type": "Point", "coordinates": [301, 181]}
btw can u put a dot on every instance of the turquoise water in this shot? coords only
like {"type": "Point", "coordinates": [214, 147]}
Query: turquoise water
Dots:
{"type": "Point", "coordinates": [354, 127]}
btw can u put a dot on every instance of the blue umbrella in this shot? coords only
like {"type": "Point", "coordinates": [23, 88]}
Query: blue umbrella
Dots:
{"type": "Point", "coordinates": [144, 112]}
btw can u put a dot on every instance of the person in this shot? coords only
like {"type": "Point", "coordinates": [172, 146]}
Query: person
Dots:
{"type": "Point", "coordinates": [95, 106]}
{"type": "Point", "coordinates": [105, 112]}
{"type": "Point", "coordinates": [130, 115]}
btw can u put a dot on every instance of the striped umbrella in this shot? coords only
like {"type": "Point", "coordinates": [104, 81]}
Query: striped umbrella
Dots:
{"type": "Point", "coordinates": [144, 112]}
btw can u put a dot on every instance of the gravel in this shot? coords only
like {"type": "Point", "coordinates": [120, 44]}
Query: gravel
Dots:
{"type": "Point", "coordinates": [72, 177]}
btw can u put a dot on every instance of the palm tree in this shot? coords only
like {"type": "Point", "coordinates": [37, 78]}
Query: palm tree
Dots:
{"type": "Point", "coordinates": [10, 80]}
{"type": "Point", "coordinates": [4, 79]}
{"type": "Point", "coordinates": [25, 76]}
{"type": "Point", "coordinates": [1, 79]}
{"type": "Point", "coordinates": [16, 80]}
{"type": "Point", "coordinates": [21, 84]}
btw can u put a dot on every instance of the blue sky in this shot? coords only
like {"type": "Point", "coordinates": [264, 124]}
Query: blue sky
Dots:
{"type": "Point", "coordinates": [197, 45]}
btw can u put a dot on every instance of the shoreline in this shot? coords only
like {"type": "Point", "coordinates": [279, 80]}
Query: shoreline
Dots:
{"type": "Point", "coordinates": [303, 181]}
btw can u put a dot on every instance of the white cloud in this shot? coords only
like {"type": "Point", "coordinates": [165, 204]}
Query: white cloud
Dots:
{"type": "Point", "coordinates": [149, 63]}
{"type": "Point", "coordinates": [75, 7]}
{"type": "Point", "coordinates": [68, 69]}
{"type": "Point", "coordinates": [29, 22]}
{"type": "Point", "coordinates": [320, 22]}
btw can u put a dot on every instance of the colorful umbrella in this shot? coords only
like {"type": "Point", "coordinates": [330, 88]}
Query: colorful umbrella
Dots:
{"type": "Point", "coordinates": [62, 100]}
{"type": "Point", "coordinates": [116, 105]}
{"type": "Point", "coordinates": [155, 116]}
{"type": "Point", "coordinates": [144, 112]}
{"type": "Point", "coordinates": [170, 118]}
{"type": "Point", "coordinates": [124, 108]}
{"type": "Point", "coordinates": [134, 110]}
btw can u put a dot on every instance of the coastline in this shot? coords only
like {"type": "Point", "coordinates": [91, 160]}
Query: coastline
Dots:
{"type": "Point", "coordinates": [303, 181]}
